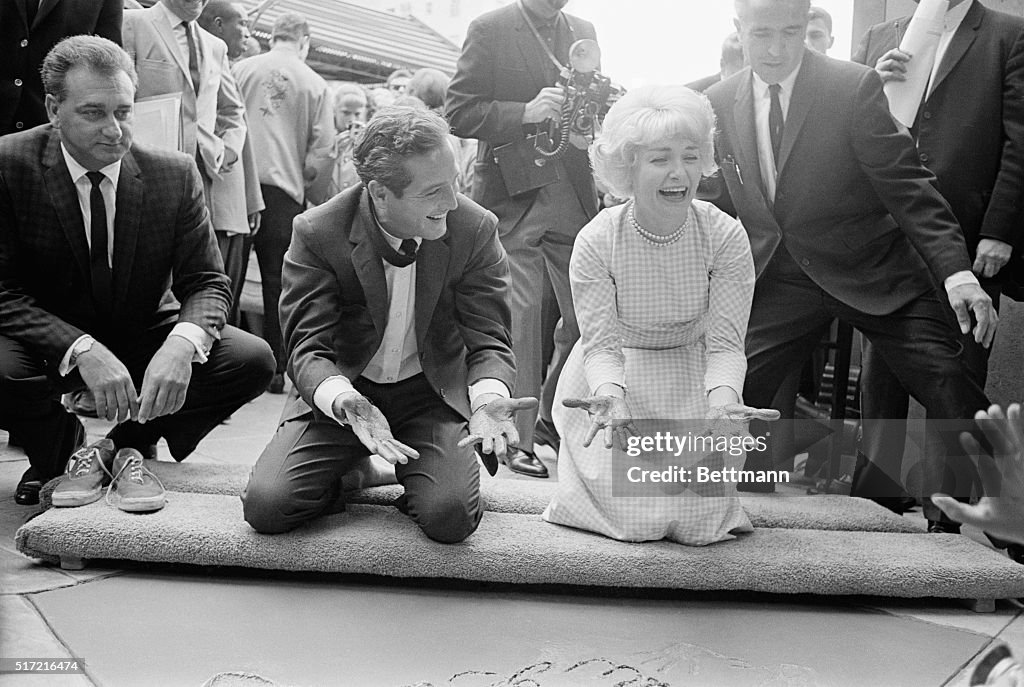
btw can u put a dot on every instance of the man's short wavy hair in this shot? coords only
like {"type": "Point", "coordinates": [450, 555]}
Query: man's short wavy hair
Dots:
{"type": "Point", "coordinates": [394, 134]}
{"type": "Point", "coordinates": [93, 52]}
{"type": "Point", "coordinates": [643, 117]}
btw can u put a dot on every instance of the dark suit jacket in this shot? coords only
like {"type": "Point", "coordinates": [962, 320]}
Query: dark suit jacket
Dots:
{"type": "Point", "coordinates": [334, 301]}
{"type": "Point", "coordinates": [970, 130]}
{"type": "Point", "coordinates": [502, 67]}
{"type": "Point", "coordinates": [23, 49]}
{"type": "Point", "coordinates": [164, 249]}
{"type": "Point", "coordinates": [854, 206]}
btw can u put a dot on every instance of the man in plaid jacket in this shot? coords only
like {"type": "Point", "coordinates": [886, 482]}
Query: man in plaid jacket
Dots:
{"type": "Point", "coordinates": [110, 278]}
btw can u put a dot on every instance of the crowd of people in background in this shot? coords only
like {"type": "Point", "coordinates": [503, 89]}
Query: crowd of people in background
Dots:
{"type": "Point", "coordinates": [431, 299]}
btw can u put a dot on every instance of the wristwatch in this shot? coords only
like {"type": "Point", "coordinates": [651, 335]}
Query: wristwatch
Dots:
{"type": "Point", "coordinates": [83, 345]}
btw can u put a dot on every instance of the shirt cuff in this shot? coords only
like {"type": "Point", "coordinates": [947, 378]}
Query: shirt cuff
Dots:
{"type": "Point", "coordinates": [65, 367]}
{"type": "Point", "coordinates": [198, 337]}
{"type": "Point", "coordinates": [486, 385]}
{"type": "Point", "coordinates": [330, 389]}
{"type": "Point", "coordinates": [959, 279]}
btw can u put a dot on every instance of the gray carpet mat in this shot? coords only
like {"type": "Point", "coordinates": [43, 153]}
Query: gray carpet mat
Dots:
{"type": "Point", "coordinates": [819, 512]}
{"type": "Point", "coordinates": [207, 529]}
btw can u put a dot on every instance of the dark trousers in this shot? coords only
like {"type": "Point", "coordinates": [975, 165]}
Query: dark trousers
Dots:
{"type": "Point", "coordinates": [238, 370]}
{"type": "Point", "coordinates": [271, 243]}
{"type": "Point", "coordinates": [883, 396]}
{"type": "Point", "coordinates": [919, 342]}
{"type": "Point", "coordinates": [539, 246]}
{"type": "Point", "coordinates": [234, 251]}
{"type": "Point", "coordinates": [298, 476]}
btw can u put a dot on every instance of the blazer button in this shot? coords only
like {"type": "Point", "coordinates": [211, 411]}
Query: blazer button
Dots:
{"type": "Point", "coordinates": [924, 157]}
{"type": "Point", "coordinates": [927, 115]}
{"type": "Point", "coordinates": [19, 125]}
{"type": "Point", "coordinates": [17, 82]}
{"type": "Point", "coordinates": [24, 42]}
{"type": "Point", "coordinates": [805, 262]}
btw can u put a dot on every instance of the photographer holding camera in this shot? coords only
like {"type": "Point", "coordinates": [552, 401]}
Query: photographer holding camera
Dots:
{"type": "Point", "coordinates": [504, 93]}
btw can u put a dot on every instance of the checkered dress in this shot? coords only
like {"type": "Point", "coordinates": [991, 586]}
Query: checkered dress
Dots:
{"type": "Point", "coordinates": [668, 324]}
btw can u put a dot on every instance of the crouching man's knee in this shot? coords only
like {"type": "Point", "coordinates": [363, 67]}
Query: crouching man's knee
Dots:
{"type": "Point", "coordinates": [270, 508]}
{"type": "Point", "coordinates": [448, 519]}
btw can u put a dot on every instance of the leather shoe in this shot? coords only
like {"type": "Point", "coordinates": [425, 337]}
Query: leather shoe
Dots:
{"type": "Point", "coordinates": [943, 527]}
{"type": "Point", "coordinates": [27, 493]}
{"type": "Point", "coordinates": [525, 463]}
{"type": "Point", "coordinates": [872, 483]}
{"type": "Point", "coordinates": [276, 384]}
{"type": "Point", "coordinates": [544, 432]}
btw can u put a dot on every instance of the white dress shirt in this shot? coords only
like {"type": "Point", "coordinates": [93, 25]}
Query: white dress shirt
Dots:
{"type": "Point", "coordinates": [762, 110]}
{"type": "Point", "coordinates": [108, 187]}
{"type": "Point", "coordinates": [950, 23]}
{"type": "Point", "coordinates": [397, 358]}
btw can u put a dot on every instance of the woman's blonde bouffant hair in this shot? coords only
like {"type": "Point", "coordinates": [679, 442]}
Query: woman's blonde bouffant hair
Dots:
{"type": "Point", "coordinates": [643, 117]}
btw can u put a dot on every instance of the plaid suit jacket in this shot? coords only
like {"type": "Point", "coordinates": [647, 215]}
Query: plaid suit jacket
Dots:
{"type": "Point", "coordinates": [165, 252]}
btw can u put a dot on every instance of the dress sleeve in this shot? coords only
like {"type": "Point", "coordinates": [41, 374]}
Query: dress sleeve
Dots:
{"type": "Point", "coordinates": [731, 288]}
{"type": "Point", "coordinates": [594, 298]}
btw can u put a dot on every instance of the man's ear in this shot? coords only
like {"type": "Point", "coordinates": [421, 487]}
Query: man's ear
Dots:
{"type": "Point", "coordinates": [52, 105]}
{"type": "Point", "coordinates": [377, 191]}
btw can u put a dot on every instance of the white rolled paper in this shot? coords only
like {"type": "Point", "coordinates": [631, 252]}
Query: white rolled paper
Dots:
{"type": "Point", "coordinates": [921, 41]}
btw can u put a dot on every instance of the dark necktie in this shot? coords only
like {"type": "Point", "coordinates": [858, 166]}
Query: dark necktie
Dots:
{"type": "Point", "coordinates": [404, 256]}
{"type": "Point", "coordinates": [193, 57]}
{"type": "Point", "coordinates": [775, 122]}
{"type": "Point", "coordinates": [99, 267]}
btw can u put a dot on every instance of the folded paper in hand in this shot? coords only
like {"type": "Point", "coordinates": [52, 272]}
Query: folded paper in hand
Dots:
{"type": "Point", "coordinates": [921, 42]}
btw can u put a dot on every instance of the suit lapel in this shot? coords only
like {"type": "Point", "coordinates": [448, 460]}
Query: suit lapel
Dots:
{"type": "Point", "coordinates": [431, 266]}
{"type": "Point", "coordinates": [44, 8]}
{"type": "Point", "coordinates": [166, 34]}
{"type": "Point", "coordinates": [127, 219]}
{"type": "Point", "coordinates": [537, 63]}
{"type": "Point", "coordinates": [805, 90]}
{"type": "Point", "coordinates": [368, 266]}
{"type": "Point", "coordinates": [746, 133]}
{"type": "Point", "coordinates": [962, 40]}
{"type": "Point", "coordinates": [64, 198]}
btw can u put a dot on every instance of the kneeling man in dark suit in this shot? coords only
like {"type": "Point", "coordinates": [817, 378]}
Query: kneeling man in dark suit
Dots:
{"type": "Point", "coordinates": [396, 320]}
{"type": "Point", "coordinates": [110, 279]}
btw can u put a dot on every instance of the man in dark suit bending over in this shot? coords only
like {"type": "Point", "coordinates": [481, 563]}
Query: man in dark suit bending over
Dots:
{"type": "Point", "coordinates": [970, 133]}
{"type": "Point", "coordinates": [843, 219]}
{"type": "Point", "coordinates": [395, 316]}
{"type": "Point", "coordinates": [110, 278]}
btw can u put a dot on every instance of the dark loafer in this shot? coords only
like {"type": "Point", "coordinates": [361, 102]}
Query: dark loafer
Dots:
{"type": "Point", "coordinates": [27, 493]}
{"type": "Point", "coordinates": [525, 463]}
{"type": "Point", "coordinates": [943, 527]}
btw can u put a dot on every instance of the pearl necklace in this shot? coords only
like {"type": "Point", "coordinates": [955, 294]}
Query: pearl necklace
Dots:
{"type": "Point", "coordinates": [658, 240]}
